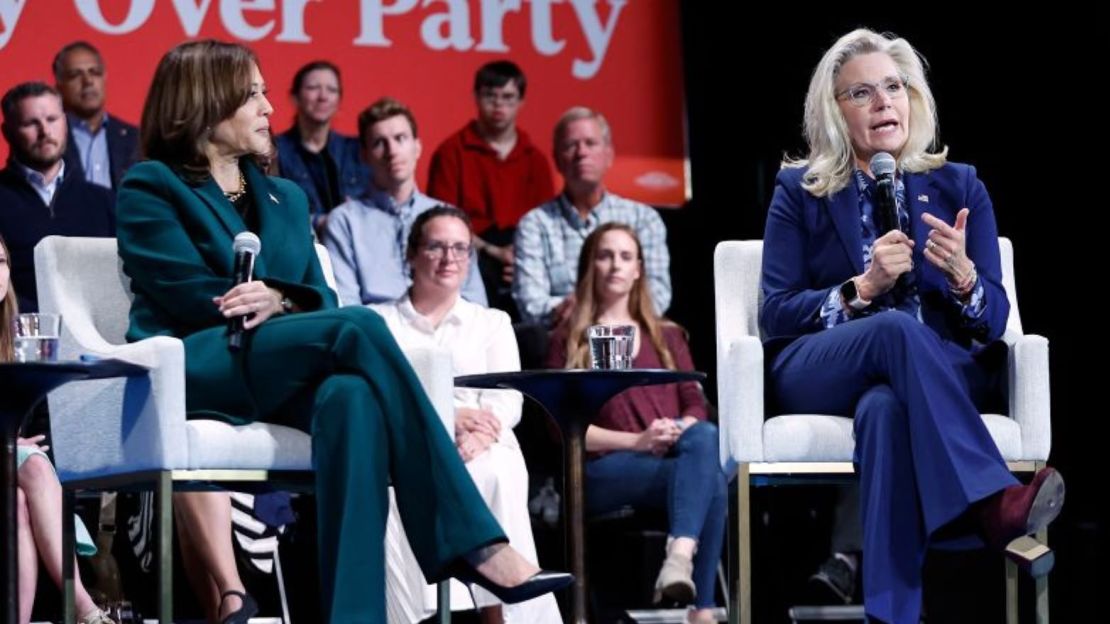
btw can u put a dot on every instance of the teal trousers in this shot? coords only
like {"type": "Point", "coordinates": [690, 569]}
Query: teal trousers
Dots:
{"type": "Point", "coordinates": [339, 375]}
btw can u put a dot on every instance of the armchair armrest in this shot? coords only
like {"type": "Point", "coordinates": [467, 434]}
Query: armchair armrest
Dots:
{"type": "Point", "coordinates": [740, 400]}
{"type": "Point", "coordinates": [1030, 394]}
{"type": "Point", "coordinates": [96, 424]}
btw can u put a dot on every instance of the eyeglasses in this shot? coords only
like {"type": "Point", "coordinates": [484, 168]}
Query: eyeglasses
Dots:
{"type": "Point", "coordinates": [864, 93]}
{"type": "Point", "coordinates": [489, 96]}
{"type": "Point", "coordinates": [438, 250]}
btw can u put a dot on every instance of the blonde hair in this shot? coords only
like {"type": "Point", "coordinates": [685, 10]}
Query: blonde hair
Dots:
{"type": "Point", "coordinates": [577, 113]}
{"type": "Point", "coordinates": [9, 310]}
{"type": "Point", "coordinates": [586, 305]}
{"type": "Point", "coordinates": [830, 159]}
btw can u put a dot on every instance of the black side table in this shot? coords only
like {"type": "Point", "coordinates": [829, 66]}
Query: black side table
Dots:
{"type": "Point", "coordinates": [22, 386]}
{"type": "Point", "coordinates": [573, 398]}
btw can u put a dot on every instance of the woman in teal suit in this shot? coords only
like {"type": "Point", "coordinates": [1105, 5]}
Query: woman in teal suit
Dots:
{"type": "Point", "coordinates": [336, 373]}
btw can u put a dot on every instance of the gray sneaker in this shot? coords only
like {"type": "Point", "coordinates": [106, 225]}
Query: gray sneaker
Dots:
{"type": "Point", "coordinates": [834, 582]}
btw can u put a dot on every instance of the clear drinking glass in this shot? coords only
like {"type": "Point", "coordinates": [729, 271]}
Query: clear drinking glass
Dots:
{"type": "Point", "coordinates": [611, 346]}
{"type": "Point", "coordinates": [36, 337]}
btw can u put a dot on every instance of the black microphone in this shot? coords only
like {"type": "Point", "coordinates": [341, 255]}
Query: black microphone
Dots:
{"type": "Point", "coordinates": [246, 248]}
{"type": "Point", "coordinates": [886, 209]}
{"type": "Point", "coordinates": [886, 206]}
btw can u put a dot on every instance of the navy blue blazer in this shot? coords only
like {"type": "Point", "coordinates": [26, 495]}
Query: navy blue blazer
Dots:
{"type": "Point", "coordinates": [813, 243]}
{"type": "Point", "coordinates": [123, 150]}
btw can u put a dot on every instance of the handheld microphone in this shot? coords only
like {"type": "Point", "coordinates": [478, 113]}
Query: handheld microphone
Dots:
{"type": "Point", "coordinates": [246, 247]}
{"type": "Point", "coordinates": [886, 206]}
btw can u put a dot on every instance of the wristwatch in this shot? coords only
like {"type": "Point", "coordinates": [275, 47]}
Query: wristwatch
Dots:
{"type": "Point", "coordinates": [286, 305]}
{"type": "Point", "coordinates": [850, 294]}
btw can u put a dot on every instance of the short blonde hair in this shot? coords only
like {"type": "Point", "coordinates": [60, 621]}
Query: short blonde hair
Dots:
{"type": "Point", "coordinates": [576, 113]}
{"type": "Point", "coordinates": [830, 160]}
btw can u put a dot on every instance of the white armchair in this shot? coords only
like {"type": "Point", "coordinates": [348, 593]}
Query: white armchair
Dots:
{"type": "Point", "coordinates": [122, 433]}
{"type": "Point", "coordinates": [793, 447]}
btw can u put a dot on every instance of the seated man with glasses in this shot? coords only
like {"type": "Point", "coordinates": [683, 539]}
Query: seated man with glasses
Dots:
{"type": "Point", "coordinates": [492, 170]}
{"type": "Point", "coordinates": [367, 236]}
{"type": "Point", "coordinates": [432, 314]}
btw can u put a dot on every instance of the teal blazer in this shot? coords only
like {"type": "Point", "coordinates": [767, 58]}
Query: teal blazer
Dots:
{"type": "Point", "coordinates": [175, 240]}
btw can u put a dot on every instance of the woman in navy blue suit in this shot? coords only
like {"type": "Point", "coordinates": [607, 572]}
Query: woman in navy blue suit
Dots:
{"type": "Point", "coordinates": [884, 302]}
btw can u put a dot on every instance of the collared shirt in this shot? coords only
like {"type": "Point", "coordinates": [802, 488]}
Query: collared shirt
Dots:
{"type": "Point", "coordinates": [93, 150]}
{"type": "Point", "coordinates": [909, 300]}
{"type": "Point", "coordinates": [38, 181]}
{"type": "Point", "coordinates": [367, 238]}
{"type": "Point", "coordinates": [480, 340]}
{"type": "Point", "coordinates": [549, 240]}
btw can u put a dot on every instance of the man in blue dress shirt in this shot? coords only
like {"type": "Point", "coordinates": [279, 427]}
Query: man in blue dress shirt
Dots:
{"type": "Point", "coordinates": [99, 148]}
{"type": "Point", "coordinates": [367, 236]}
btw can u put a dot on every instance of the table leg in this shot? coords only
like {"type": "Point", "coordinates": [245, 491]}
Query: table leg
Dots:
{"type": "Point", "coordinates": [574, 445]}
{"type": "Point", "coordinates": [9, 569]}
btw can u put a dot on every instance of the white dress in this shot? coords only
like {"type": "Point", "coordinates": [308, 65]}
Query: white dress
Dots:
{"type": "Point", "coordinates": [481, 340]}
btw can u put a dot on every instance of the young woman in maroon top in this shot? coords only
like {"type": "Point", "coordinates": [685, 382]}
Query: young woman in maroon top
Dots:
{"type": "Point", "coordinates": [651, 447]}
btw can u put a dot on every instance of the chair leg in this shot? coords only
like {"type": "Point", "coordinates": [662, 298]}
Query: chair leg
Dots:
{"type": "Point", "coordinates": [1011, 592]}
{"type": "Point", "coordinates": [285, 618]}
{"type": "Point", "coordinates": [163, 503]}
{"type": "Point", "coordinates": [443, 602]}
{"type": "Point", "coordinates": [69, 549]}
{"type": "Point", "coordinates": [1041, 587]}
{"type": "Point", "coordinates": [740, 555]}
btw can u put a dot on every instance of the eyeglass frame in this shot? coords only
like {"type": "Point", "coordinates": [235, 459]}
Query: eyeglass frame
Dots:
{"type": "Point", "coordinates": [875, 88]}
{"type": "Point", "coordinates": [488, 95]}
{"type": "Point", "coordinates": [439, 250]}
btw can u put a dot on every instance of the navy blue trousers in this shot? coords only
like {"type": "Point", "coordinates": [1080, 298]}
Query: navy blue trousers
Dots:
{"type": "Point", "coordinates": [688, 483]}
{"type": "Point", "coordinates": [922, 452]}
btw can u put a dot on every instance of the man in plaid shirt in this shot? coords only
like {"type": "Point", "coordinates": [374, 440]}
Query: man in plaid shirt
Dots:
{"type": "Point", "coordinates": [549, 237]}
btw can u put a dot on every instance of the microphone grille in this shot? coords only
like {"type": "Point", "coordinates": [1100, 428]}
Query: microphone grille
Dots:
{"type": "Point", "coordinates": [882, 164]}
{"type": "Point", "coordinates": [247, 241]}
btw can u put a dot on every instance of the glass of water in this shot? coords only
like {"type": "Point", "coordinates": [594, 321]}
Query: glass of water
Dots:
{"type": "Point", "coordinates": [36, 337]}
{"type": "Point", "coordinates": [611, 346]}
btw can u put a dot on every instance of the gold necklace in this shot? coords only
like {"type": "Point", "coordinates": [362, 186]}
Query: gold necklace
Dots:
{"type": "Point", "coordinates": [235, 196]}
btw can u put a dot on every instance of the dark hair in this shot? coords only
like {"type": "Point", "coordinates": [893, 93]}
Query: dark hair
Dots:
{"type": "Point", "coordinates": [71, 47]}
{"type": "Point", "coordinates": [496, 74]}
{"type": "Point", "coordinates": [308, 68]}
{"type": "Point", "coordinates": [9, 310]}
{"type": "Point", "coordinates": [197, 85]}
{"type": "Point", "coordinates": [21, 92]}
{"type": "Point", "coordinates": [380, 111]}
{"type": "Point", "coordinates": [416, 234]}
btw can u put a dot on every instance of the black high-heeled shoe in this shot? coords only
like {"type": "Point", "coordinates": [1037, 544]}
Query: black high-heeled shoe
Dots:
{"type": "Point", "coordinates": [538, 584]}
{"type": "Point", "coordinates": [243, 615]}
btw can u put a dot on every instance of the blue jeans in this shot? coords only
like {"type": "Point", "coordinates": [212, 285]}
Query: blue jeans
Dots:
{"type": "Point", "coordinates": [687, 482]}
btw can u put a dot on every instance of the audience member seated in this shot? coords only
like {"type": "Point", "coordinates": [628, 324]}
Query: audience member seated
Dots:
{"type": "Point", "coordinates": [38, 196]}
{"type": "Point", "coordinates": [367, 235]}
{"type": "Point", "coordinates": [492, 170]}
{"type": "Point", "coordinates": [324, 163]}
{"type": "Point", "coordinates": [835, 580]}
{"type": "Point", "coordinates": [650, 447]}
{"type": "Point", "coordinates": [549, 237]}
{"type": "Point", "coordinates": [38, 507]}
{"type": "Point", "coordinates": [100, 148]}
{"type": "Point", "coordinates": [433, 314]}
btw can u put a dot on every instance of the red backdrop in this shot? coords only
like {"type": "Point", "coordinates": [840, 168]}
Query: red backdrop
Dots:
{"type": "Point", "coordinates": [622, 58]}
